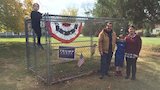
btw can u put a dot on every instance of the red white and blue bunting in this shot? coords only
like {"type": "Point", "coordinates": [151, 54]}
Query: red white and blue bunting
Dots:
{"type": "Point", "coordinates": [64, 32]}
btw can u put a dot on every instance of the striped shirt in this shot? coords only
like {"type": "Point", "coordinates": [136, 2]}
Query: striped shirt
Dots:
{"type": "Point", "coordinates": [130, 55]}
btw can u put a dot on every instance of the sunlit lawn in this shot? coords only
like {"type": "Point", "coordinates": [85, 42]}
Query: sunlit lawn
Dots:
{"type": "Point", "coordinates": [14, 76]}
{"type": "Point", "coordinates": [145, 40]}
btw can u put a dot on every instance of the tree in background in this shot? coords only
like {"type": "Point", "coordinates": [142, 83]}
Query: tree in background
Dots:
{"type": "Point", "coordinates": [27, 4]}
{"type": "Point", "coordinates": [92, 28]}
{"type": "Point", "coordinates": [138, 12]}
{"type": "Point", "coordinates": [12, 14]}
{"type": "Point", "coordinates": [143, 11]}
{"type": "Point", "coordinates": [112, 9]}
{"type": "Point", "coordinates": [70, 11]}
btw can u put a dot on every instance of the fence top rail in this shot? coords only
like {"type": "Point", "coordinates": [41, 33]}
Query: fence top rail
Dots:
{"type": "Point", "coordinates": [64, 18]}
{"type": "Point", "coordinates": [61, 18]}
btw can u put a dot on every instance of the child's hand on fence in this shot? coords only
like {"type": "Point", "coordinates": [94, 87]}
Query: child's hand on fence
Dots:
{"type": "Point", "coordinates": [101, 53]}
{"type": "Point", "coordinates": [135, 55]}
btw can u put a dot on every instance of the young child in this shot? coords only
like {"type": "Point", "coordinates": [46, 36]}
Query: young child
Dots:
{"type": "Point", "coordinates": [119, 55]}
{"type": "Point", "coordinates": [35, 22]}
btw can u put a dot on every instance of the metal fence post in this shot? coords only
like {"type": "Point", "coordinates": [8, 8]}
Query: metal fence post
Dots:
{"type": "Point", "coordinates": [35, 52]}
{"type": "Point", "coordinates": [48, 43]}
{"type": "Point", "coordinates": [27, 45]}
{"type": "Point", "coordinates": [91, 42]}
{"type": "Point", "coordinates": [91, 46]}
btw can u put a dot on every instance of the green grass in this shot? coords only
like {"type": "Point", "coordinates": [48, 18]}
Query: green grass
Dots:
{"type": "Point", "coordinates": [42, 39]}
{"type": "Point", "coordinates": [14, 76]}
{"type": "Point", "coordinates": [145, 40]}
{"type": "Point", "coordinates": [12, 40]}
{"type": "Point", "coordinates": [150, 41]}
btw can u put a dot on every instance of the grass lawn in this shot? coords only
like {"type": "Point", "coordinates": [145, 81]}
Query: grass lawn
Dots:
{"type": "Point", "coordinates": [145, 40]}
{"type": "Point", "coordinates": [150, 41]}
{"type": "Point", "coordinates": [14, 76]}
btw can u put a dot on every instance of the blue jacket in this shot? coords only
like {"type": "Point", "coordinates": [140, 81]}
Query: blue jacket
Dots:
{"type": "Point", "coordinates": [121, 45]}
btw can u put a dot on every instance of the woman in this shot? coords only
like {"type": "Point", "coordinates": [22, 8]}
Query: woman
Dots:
{"type": "Point", "coordinates": [133, 47]}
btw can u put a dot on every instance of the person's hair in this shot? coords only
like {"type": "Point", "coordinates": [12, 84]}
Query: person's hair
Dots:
{"type": "Point", "coordinates": [35, 4]}
{"type": "Point", "coordinates": [109, 23]}
{"type": "Point", "coordinates": [132, 26]}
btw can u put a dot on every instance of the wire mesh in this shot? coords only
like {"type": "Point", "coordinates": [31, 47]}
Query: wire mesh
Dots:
{"type": "Point", "coordinates": [47, 65]}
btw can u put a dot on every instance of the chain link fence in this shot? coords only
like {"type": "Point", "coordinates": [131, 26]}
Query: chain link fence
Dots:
{"type": "Point", "coordinates": [46, 63]}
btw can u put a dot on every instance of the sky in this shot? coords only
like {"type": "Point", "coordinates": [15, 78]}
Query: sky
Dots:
{"type": "Point", "coordinates": [56, 6]}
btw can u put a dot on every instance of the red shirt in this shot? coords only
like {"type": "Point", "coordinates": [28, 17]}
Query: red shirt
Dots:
{"type": "Point", "coordinates": [133, 44]}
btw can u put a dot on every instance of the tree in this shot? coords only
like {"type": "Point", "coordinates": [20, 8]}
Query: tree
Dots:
{"type": "Point", "coordinates": [11, 15]}
{"type": "Point", "coordinates": [71, 11]}
{"type": "Point", "coordinates": [92, 28]}
{"type": "Point", "coordinates": [27, 7]}
{"type": "Point", "coordinates": [110, 8]}
{"type": "Point", "coordinates": [136, 11]}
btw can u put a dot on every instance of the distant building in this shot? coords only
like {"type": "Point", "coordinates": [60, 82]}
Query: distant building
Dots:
{"type": "Point", "coordinates": [156, 30]}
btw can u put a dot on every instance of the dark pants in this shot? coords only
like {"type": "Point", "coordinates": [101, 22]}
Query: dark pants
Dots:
{"type": "Point", "coordinates": [131, 63]}
{"type": "Point", "coordinates": [105, 63]}
{"type": "Point", "coordinates": [38, 33]}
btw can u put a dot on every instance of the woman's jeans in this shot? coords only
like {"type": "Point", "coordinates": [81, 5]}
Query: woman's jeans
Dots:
{"type": "Point", "coordinates": [131, 65]}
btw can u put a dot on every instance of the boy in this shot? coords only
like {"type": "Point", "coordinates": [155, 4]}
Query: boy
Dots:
{"type": "Point", "coordinates": [119, 55]}
{"type": "Point", "coordinates": [35, 21]}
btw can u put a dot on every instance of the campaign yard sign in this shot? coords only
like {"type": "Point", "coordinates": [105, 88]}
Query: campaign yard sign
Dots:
{"type": "Point", "coordinates": [66, 52]}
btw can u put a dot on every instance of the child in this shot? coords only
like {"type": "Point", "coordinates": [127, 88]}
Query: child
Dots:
{"type": "Point", "coordinates": [35, 21]}
{"type": "Point", "coordinates": [119, 55]}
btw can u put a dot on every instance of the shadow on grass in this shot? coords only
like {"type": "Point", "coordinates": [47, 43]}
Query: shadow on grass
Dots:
{"type": "Point", "coordinates": [148, 74]}
{"type": "Point", "coordinates": [12, 50]}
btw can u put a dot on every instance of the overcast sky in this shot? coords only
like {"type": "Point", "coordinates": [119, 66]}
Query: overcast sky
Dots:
{"type": "Point", "coordinates": [56, 6]}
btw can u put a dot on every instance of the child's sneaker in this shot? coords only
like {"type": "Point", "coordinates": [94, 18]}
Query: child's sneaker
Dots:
{"type": "Point", "coordinates": [40, 46]}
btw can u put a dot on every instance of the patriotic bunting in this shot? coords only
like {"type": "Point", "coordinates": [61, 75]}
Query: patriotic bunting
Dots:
{"type": "Point", "coordinates": [64, 32]}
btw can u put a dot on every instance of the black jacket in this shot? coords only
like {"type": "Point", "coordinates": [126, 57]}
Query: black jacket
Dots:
{"type": "Point", "coordinates": [35, 20]}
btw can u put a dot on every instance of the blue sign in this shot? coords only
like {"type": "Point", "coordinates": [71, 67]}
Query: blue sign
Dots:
{"type": "Point", "coordinates": [66, 52]}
